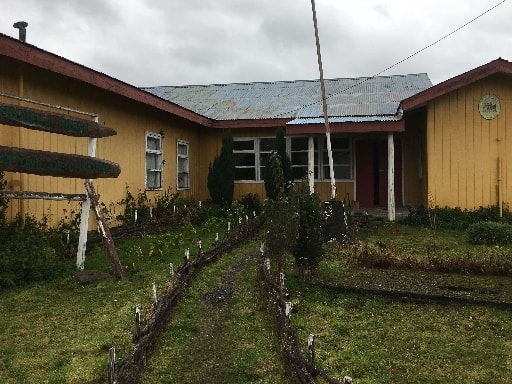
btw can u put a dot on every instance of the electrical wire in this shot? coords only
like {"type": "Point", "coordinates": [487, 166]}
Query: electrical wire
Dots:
{"type": "Point", "coordinates": [399, 62]}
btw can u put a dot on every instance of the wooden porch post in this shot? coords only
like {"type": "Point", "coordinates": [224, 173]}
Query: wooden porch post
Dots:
{"type": "Point", "coordinates": [391, 177]}
{"type": "Point", "coordinates": [311, 164]}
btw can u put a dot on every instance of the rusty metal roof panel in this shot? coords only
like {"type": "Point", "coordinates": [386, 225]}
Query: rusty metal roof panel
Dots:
{"type": "Point", "coordinates": [374, 96]}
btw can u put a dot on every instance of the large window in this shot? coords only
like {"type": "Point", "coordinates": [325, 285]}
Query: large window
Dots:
{"type": "Point", "coordinates": [153, 161]}
{"type": "Point", "coordinates": [341, 158]}
{"type": "Point", "coordinates": [251, 156]}
{"type": "Point", "coordinates": [183, 165]}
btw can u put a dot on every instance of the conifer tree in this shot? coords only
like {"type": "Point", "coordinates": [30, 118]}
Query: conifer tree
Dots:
{"type": "Point", "coordinates": [221, 174]}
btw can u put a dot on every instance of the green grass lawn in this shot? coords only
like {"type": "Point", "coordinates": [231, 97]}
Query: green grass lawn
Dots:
{"type": "Point", "coordinates": [60, 331]}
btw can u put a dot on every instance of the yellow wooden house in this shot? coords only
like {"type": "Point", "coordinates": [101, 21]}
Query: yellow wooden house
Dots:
{"type": "Point", "coordinates": [465, 139]}
{"type": "Point", "coordinates": [396, 139]}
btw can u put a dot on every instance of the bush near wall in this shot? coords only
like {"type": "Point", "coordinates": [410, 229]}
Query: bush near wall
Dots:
{"type": "Point", "coordinates": [490, 233]}
{"type": "Point", "coordinates": [456, 218]}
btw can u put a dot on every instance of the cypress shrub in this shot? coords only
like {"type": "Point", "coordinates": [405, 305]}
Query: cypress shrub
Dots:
{"type": "Point", "coordinates": [221, 174]}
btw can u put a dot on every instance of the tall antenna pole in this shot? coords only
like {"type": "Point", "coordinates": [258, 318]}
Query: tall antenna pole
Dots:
{"type": "Point", "coordinates": [324, 103]}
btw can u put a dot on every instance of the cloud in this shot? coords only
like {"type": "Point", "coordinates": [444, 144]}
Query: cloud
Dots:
{"type": "Point", "coordinates": [163, 42]}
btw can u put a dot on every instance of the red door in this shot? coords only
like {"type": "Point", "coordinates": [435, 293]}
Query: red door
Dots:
{"type": "Point", "coordinates": [372, 173]}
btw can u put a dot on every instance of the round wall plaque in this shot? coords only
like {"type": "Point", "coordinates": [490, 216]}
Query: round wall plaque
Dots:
{"type": "Point", "coordinates": [489, 106]}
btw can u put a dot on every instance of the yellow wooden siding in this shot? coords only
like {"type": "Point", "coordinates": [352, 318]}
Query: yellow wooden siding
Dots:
{"type": "Point", "coordinates": [130, 119]}
{"type": "Point", "coordinates": [463, 147]}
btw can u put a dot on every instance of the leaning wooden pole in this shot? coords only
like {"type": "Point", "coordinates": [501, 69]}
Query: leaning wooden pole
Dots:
{"type": "Point", "coordinates": [104, 229]}
{"type": "Point", "coordinates": [324, 103]}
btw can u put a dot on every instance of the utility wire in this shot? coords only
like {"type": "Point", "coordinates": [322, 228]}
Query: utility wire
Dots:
{"type": "Point", "coordinates": [401, 61]}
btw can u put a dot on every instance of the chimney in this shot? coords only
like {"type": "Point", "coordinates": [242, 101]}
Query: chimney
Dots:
{"type": "Point", "coordinates": [22, 26]}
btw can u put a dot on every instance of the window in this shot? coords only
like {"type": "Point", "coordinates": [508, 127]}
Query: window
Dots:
{"type": "Point", "coordinates": [244, 151]}
{"type": "Point", "coordinates": [251, 155]}
{"type": "Point", "coordinates": [153, 161]}
{"type": "Point", "coordinates": [299, 148]}
{"type": "Point", "coordinates": [341, 154]}
{"type": "Point", "coordinates": [341, 159]}
{"type": "Point", "coordinates": [183, 165]}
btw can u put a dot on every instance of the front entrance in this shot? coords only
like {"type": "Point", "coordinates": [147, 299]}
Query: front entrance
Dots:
{"type": "Point", "coordinates": [372, 173]}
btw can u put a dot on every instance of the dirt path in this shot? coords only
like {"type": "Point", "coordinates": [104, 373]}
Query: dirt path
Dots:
{"type": "Point", "coordinates": [212, 345]}
{"type": "Point", "coordinates": [221, 332]}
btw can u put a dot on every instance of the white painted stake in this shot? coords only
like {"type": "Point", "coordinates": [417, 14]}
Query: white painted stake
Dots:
{"type": "Point", "coordinates": [254, 213]}
{"type": "Point", "coordinates": [135, 219]}
{"type": "Point", "coordinates": [187, 254]}
{"type": "Point", "coordinates": [288, 309]}
{"type": "Point", "coordinates": [155, 300]}
{"type": "Point", "coordinates": [171, 269]}
{"type": "Point", "coordinates": [229, 226]}
{"type": "Point", "coordinates": [174, 208]}
{"type": "Point", "coordinates": [311, 349]}
{"type": "Point", "coordinates": [199, 204]}
{"type": "Point", "coordinates": [216, 236]}
{"type": "Point", "coordinates": [151, 212]}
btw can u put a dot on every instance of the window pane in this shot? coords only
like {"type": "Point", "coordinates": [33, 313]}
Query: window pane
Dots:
{"type": "Point", "coordinates": [153, 161]}
{"type": "Point", "coordinates": [299, 172]}
{"type": "Point", "coordinates": [244, 159]}
{"type": "Point", "coordinates": [154, 180]}
{"type": "Point", "coordinates": [339, 143]}
{"type": "Point", "coordinates": [299, 158]}
{"type": "Point", "coordinates": [183, 149]}
{"type": "Point", "coordinates": [243, 145]}
{"type": "Point", "coordinates": [340, 172]}
{"type": "Point", "coordinates": [245, 174]}
{"type": "Point", "coordinates": [266, 144]}
{"type": "Point", "coordinates": [153, 143]}
{"type": "Point", "coordinates": [299, 144]}
{"type": "Point", "coordinates": [182, 165]}
{"type": "Point", "coordinates": [183, 180]}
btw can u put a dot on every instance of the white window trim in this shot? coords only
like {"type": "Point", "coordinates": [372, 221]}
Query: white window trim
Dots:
{"type": "Point", "coordinates": [157, 152]}
{"type": "Point", "coordinates": [182, 156]}
{"type": "Point", "coordinates": [319, 165]}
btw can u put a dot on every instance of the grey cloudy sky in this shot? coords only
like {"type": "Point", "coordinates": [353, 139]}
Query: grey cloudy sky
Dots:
{"type": "Point", "coordinates": [177, 42]}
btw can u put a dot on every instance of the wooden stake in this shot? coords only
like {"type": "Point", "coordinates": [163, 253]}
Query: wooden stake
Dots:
{"type": "Point", "coordinates": [104, 229]}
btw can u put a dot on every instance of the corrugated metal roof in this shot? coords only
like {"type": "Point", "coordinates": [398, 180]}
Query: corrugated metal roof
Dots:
{"type": "Point", "coordinates": [365, 96]}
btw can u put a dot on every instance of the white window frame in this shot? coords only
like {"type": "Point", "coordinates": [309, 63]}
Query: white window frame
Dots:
{"type": "Point", "coordinates": [158, 162]}
{"type": "Point", "coordinates": [320, 150]}
{"type": "Point", "coordinates": [182, 165]}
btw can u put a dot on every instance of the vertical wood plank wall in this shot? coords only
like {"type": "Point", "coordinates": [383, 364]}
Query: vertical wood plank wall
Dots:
{"type": "Point", "coordinates": [130, 119]}
{"type": "Point", "coordinates": [463, 147]}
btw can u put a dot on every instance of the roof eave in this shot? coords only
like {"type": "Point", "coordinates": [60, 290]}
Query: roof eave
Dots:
{"type": "Point", "coordinates": [421, 99]}
{"type": "Point", "coordinates": [40, 58]}
{"type": "Point", "coordinates": [348, 127]}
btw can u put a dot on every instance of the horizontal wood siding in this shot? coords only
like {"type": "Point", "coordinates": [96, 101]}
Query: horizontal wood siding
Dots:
{"type": "Point", "coordinates": [463, 148]}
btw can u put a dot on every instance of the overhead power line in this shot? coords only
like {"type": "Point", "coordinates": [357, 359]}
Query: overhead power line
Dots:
{"type": "Point", "coordinates": [402, 60]}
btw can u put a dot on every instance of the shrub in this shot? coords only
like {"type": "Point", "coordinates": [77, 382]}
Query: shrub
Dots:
{"type": "Point", "coordinates": [221, 174]}
{"type": "Point", "coordinates": [456, 218]}
{"type": "Point", "coordinates": [252, 203]}
{"type": "Point", "coordinates": [490, 233]}
{"type": "Point", "coordinates": [274, 178]}
{"type": "Point", "coordinates": [307, 249]}
{"type": "Point", "coordinates": [31, 251]}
